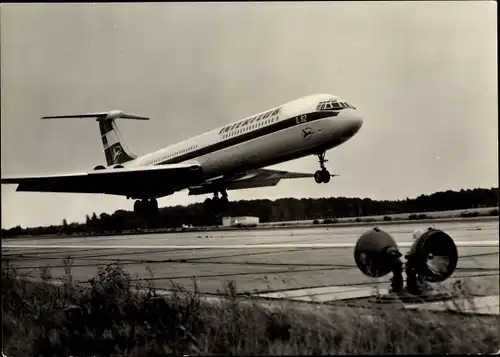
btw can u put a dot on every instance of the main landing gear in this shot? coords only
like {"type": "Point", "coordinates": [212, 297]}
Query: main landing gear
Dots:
{"type": "Point", "coordinates": [217, 204]}
{"type": "Point", "coordinates": [323, 175]}
{"type": "Point", "coordinates": [146, 207]}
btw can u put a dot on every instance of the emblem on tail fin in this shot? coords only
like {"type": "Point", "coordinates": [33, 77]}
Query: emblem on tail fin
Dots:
{"type": "Point", "coordinates": [117, 151]}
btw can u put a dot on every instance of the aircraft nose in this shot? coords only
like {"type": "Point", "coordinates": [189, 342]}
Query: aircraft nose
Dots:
{"type": "Point", "coordinates": [351, 123]}
{"type": "Point", "coordinates": [356, 123]}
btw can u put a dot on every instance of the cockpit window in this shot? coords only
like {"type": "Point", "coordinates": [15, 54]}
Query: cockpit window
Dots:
{"type": "Point", "coordinates": [333, 104]}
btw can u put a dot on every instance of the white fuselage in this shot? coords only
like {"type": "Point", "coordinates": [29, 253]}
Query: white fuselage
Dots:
{"type": "Point", "coordinates": [293, 130]}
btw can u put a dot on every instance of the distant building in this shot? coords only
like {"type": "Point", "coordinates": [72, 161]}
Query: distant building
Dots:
{"type": "Point", "coordinates": [245, 221]}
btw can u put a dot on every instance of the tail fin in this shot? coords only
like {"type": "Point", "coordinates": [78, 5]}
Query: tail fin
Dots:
{"type": "Point", "coordinates": [115, 150]}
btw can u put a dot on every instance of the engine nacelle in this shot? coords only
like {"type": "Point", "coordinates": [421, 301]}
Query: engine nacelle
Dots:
{"type": "Point", "coordinates": [99, 167]}
{"type": "Point", "coordinates": [118, 167]}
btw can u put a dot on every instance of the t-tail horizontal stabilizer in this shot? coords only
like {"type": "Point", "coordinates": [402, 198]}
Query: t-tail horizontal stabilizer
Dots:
{"type": "Point", "coordinates": [112, 114]}
{"type": "Point", "coordinates": [115, 150]}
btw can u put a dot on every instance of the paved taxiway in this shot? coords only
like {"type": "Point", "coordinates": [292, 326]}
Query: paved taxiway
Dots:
{"type": "Point", "coordinates": [301, 263]}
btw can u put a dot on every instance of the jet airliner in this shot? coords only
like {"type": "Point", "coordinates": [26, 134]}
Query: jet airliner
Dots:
{"type": "Point", "coordinates": [231, 157]}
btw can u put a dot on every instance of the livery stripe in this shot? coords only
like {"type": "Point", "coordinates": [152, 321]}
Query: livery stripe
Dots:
{"type": "Point", "coordinates": [259, 132]}
{"type": "Point", "coordinates": [110, 139]}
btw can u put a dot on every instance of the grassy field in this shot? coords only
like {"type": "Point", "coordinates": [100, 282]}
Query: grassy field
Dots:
{"type": "Point", "coordinates": [109, 317]}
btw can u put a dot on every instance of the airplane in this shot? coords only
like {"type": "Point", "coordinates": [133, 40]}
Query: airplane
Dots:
{"type": "Point", "coordinates": [230, 157]}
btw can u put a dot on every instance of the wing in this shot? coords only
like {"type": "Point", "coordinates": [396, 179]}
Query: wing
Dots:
{"type": "Point", "coordinates": [153, 181]}
{"type": "Point", "coordinates": [252, 179]}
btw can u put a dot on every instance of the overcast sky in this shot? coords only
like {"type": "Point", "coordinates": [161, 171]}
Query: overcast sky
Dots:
{"type": "Point", "coordinates": [422, 74]}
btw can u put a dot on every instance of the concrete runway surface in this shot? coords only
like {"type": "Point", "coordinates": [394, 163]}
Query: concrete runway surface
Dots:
{"type": "Point", "coordinates": [314, 264]}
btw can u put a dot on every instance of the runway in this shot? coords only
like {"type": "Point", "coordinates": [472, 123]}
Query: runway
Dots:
{"type": "Point", "coordinates": [301, 264]}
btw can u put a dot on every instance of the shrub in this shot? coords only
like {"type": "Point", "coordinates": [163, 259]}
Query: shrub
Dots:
{"type": "Point", "coordinates": [109, 316]}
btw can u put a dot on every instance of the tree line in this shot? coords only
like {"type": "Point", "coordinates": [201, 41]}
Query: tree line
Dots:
{"type": "Point", "coordinates": [284, 209]}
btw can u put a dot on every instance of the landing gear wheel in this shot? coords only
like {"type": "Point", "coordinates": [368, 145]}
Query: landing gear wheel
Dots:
{"type": "Point", "coordinates": [223, 202]}
{"type": "Point", "coordinates": [207, 204]}
{"type": "Point", "coordinates": [322, 176]}
{"type": "Point", "coordinates": [318, 177]}
{"type": "Point", "coordinates": [216, 204]}
{"type": "Point", "coordinates": [210, 204]}
{"type": "Point", "coordinates": [146, 207]}
{"type": "Point", "coordinates": [153, 206]}
{"type": "Point", "coordinates": [325, 176]}
{"type": "Point", "coordinates": [137, 206]}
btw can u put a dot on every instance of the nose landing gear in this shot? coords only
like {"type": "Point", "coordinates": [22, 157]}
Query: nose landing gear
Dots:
{"type": "Point", "coordinates": [323, 175]}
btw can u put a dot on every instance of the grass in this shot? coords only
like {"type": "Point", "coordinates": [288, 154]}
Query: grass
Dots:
{"type": "Point", "coordinates": [111, 317]}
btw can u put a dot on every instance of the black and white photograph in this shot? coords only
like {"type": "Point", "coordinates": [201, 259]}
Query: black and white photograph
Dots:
{"type": "Point", "coordinates": [249, 178]}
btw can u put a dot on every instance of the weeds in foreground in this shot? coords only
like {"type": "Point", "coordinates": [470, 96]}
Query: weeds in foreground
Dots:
{"type": "Point", "coordinates": [110, 317]}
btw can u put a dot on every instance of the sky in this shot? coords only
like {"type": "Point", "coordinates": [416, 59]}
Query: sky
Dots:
{"type": "Point", "coordinates": [423, 75]}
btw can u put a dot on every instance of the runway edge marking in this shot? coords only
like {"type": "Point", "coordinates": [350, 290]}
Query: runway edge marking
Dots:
{"type": "Point", "coordinates": [488, 243]}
